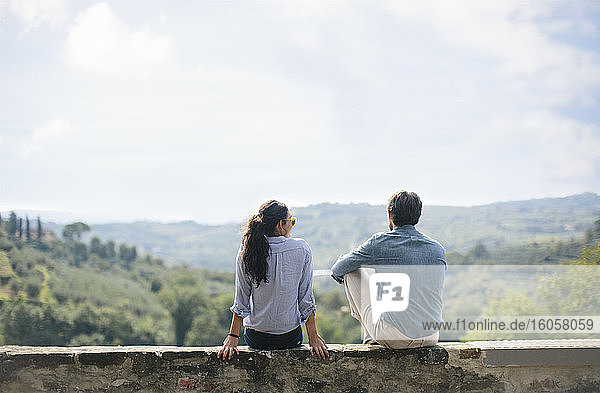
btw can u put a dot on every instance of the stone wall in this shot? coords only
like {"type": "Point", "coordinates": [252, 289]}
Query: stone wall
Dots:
{"type": "Point", "coordinates": [505, 366]}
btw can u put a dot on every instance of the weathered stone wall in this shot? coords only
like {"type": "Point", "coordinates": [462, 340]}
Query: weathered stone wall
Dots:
{"type": "Point", "coordinates": [510, 366]}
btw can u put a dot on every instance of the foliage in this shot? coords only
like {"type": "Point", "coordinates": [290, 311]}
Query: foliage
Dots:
{"type": "Point", "coordinates": [11, 227]}
{"type": "Point", "coordinates": [184, 299]}
{"type": "Point", "coordinates": [590, 255]}
{"type": "Point", "coordinates": [55, 292]}
{"type": "Point", "coordinates": [569, 291]}
{"type": "Point", "coordinates": [334, 322]}
{"type": "Point", "coordinates": [75, 230]}
{"type": "Point", "coordinates": [127, 255]}
{"type": "Point", "coordinates": [211, 322]}
{"type": "Point", "coordinates": [333, 229]}
{"type": "Point", "coordinates": [6, 270]}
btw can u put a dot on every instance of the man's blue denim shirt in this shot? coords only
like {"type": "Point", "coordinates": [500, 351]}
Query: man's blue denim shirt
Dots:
{"type": "Point", "coordinates": [407, 248]}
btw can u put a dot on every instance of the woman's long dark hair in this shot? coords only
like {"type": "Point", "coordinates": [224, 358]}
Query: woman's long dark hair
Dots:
{"type": "Point", "coordinates": [255, 246]}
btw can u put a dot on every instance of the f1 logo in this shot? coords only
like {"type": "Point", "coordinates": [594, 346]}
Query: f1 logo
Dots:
{"type": "Point", "coordinates": [389, 292]}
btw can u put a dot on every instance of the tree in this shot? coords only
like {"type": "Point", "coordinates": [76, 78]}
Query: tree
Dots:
{"type": "Point", "coordinates": [211, 322]}
{"type": "Point", "coordinates": [12, 225]}
{"type": "Point", "coordinates": [110, 249]}
{"type": "Point", "coordinates": [127, 254]}
{"type": "Point", "coordinates": [27, 324]}
{"type": "Point", "coordinates": [589, 256]}
{"type": "Point", "coordinates": [27, 229]}
{"type": "Point", "coordinates": [96, 247]}
{"type": "Point", "coordinates": [588, 236]}
{"type": "Point", "coordinates": [155, 285]}
{"type": "Point", "coordinates": [20, 228]}
{"type": "Point", "coordinates": [80, 252]}
{"type": "Point", "coordinates": [39, 228]}
{"type": "Point", "coordinates": [568, 291]}
{"type": "Point", "coordinates": [183, 299]}
{"type": "Point", "coordinates": [478, 252]}
{"type": "Point", "coordinates": [75, 229]}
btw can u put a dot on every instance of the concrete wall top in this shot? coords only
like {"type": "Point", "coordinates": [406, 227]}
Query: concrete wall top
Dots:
{"type": "Point", "coordinates": [482, 366]}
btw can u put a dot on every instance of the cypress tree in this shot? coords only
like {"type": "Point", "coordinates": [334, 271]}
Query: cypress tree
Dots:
{"type": "Point", "coordinates": [27, 229]}
{"type": "Point", "coordinates": [20, 228]}
{"type": "Point", "coordinates": [12, 225]}
{"type": "Point", "coordinates": [39, 229]}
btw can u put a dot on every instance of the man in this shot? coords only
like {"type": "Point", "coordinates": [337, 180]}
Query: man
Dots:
{"type": "Point", "coordinates": [402, 249]}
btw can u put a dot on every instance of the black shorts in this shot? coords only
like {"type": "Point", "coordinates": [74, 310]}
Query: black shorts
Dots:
{"type": "Point", "coordinates": [262, 340]}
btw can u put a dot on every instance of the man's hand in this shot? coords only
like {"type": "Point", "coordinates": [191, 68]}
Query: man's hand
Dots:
{"type": "Point", "coordinates": [317, 346]}
{"type": "Point", "coordinates": [229, 346]}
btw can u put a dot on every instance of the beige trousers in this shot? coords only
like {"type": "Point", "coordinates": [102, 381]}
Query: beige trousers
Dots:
{"type": "Point", "coordinates": [356, 284]}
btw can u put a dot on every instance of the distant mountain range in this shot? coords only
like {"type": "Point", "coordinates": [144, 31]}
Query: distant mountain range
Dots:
{"type": "Point", "coordinates": [333, 229]}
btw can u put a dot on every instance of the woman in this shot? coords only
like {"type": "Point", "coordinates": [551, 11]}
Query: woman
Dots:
{"type": "Point", "coordinates": [273, 286]}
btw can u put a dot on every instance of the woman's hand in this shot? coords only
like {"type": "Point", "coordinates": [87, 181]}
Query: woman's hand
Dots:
{"type": "Point", "coordinates": [317, 346]}
{"type": "Point", "coordinates": [229, 345]}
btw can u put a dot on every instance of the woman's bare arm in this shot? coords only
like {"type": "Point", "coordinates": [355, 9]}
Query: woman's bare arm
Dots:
{"type": "Point", "coordinates": [317, 344]}
{"type": "Point", "coordinates": [230, 343]}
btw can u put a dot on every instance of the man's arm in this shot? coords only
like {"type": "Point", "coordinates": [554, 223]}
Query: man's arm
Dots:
{"type": "Point", "coordinates": [352, 261]}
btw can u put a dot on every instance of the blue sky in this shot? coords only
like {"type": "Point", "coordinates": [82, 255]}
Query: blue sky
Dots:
{"type": "Point", "coordinates": [202, 110]}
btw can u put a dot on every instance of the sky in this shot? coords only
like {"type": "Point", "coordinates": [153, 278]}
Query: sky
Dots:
{"type": "Point", "coordinates": [203, 110]}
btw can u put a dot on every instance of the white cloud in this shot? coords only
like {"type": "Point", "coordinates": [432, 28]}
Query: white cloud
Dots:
{"type": "Point", "coordinates": [306, 39]}
{"type": "Point", "coordinates": [588, 28]}
{"type": "Point", "coordinates": [508, 31]}
{"type": "Point", "coordinates": [100, 42]}
{"type": "Point", "coordinates": [570, 149]}
{"type": "Point", "coordinates": [56, 129]}
{"type": "Point", "coordinates": [33, 13]}
{"type": "Point", "coordinates": [562, 150]}
{"type": "Point", "coordinates": [162, 18]}
{"type": "Point", "coordinates": [478, 95]}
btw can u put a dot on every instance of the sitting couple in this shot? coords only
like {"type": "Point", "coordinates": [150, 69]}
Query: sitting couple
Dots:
{"type": "Point", "coordinates": [271, 266]}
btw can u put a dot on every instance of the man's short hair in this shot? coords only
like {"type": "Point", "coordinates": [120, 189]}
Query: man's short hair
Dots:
{"type": "Point", "coordinates": [405, 208]}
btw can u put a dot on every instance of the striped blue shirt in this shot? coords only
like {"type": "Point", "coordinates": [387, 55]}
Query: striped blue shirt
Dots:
{"type": "Point", "coordinates": [286, 300]}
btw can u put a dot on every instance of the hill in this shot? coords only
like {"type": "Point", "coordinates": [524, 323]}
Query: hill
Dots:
{"type": "Point", "coordinates": [67, 292]}
{"type": "Point", "coordinates": [333, 229]}
{"type": "Point", "coordinates": [71, 293]}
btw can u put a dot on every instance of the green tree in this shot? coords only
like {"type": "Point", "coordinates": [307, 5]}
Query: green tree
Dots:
{"type": "Point", "coordinates": [596, 229]}
{"type": "Point", "coordinates": [589, 256]}
{"type": "Point", "coordinates": [80, 252]}
{"type": "Point", "coordinates": [183, 299]}
{"type": "Point", "coordinates": [211, 322]}
{"type": "Point", "coordinates": [127, 255]}
{"type": "Point", "coordinates": [96, 247]}
{"type": "Point", "coordinates": [28, 324]}
{"type": "Point", "coordinates": [33, 286]}
{"type": "Point", "coordinates": [110, 249]}
{"type": "Point", "coordinates": [6, 271]}
{"type": "Point", "coordinates": [74, 230]}
{"type": "Point", "coordinates": [155, 285]}
{"type": "Point", "coordinates": [39, 228]}
{"type": "Point", "coordinates": [27, 229]}
{"type": "Point", "coordinates": [568, 292]}
{"type": "Point", "coordinates": [11, 228]}
{"type": "Point", "coordinates": [20, 225]}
